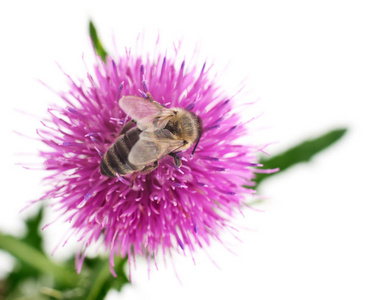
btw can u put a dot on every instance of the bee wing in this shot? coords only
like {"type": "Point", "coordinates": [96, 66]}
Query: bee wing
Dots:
{"type": "Point", "coordinates": [148, 114]}
{"type": "Point", "coordinates": [152, 146]}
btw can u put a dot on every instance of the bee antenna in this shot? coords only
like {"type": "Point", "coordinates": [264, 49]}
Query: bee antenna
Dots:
{"type": "Point", "coordinates": [148, 96]}
{"type": "Point", "coordinates": [193, 151]}
{"type": "Point", "coordinates": [200, 131]}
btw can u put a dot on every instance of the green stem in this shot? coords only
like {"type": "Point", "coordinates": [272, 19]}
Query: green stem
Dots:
{"type": "Point", "coordinates": [37, 260]}
{"type": "Point", "coordinates": [101, 280]}
{"type": "Point", "coordinates": [98, 281]}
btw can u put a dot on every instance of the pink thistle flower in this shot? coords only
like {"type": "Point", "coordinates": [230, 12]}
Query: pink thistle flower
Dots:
{"type": "Point", "coordinates": [169, 207]}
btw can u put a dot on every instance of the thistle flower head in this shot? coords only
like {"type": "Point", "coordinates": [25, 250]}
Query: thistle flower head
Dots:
{"type": "Point", "coordinates": [169, 207]}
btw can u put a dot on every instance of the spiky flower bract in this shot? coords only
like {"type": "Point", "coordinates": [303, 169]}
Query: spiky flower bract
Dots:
{"type": "Point", "coordinates": [170, 207]}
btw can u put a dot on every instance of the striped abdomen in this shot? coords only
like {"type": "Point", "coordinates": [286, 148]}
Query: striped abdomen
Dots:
{"type": "Point", "coordinates": [115, 159]}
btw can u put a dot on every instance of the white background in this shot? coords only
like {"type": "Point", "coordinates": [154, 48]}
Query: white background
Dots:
{"type": "Point", "coordinates": [309, 62]}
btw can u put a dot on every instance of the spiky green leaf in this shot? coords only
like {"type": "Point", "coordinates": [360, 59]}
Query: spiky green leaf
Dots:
{"type": "Point", "coordinates": [302, 152]}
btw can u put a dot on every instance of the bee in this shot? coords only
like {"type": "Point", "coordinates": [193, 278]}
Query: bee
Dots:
{"type": "Point", "coordinates": [159, 131]}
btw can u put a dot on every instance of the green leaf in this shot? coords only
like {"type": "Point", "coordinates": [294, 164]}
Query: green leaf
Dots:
{"type": "Point", "coordinates": [33, 238]}
{"type": "Point", "coordinates": [52, 279]}
{"type": "Point", "coordinates": [37, 260]}
{"type": "Point", "coordinates": [96, 42]}
{"type": "Point", "coordinates": [301, 153]}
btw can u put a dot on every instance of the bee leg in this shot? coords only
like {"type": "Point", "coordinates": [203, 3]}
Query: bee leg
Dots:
{"type": "Point", "coordinates": [126, 127]}
{"type": "Point", "coordinates": [149, 96]}
{"type": "Point", "coordinates": [150, 168]}
{"type": "Point", "coordinates": [177, 160]}
{"type": "Point", "coordinates": [134, 175]}
{"type": "Point", "coordinates": [146, 169]}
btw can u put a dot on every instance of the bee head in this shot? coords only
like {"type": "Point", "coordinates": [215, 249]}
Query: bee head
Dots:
{"type": "Point", "coordinates": [186, 126]}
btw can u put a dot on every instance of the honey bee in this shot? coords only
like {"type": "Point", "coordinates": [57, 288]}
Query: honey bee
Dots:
{"type": "Point", "coordinates": [159, 131]}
